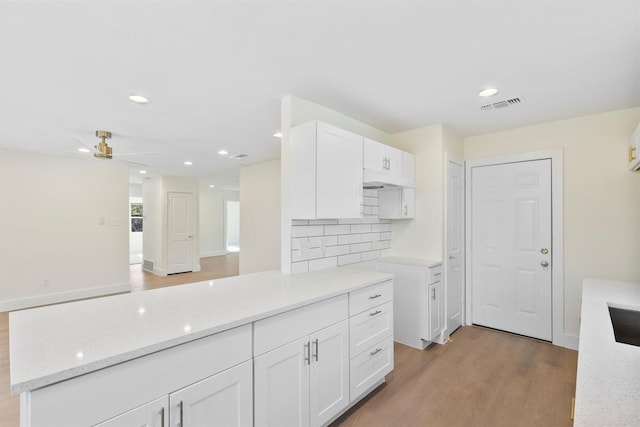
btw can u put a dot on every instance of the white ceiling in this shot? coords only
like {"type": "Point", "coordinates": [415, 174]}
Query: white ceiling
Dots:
{"type": "Point", "coordinates": [215, 71]}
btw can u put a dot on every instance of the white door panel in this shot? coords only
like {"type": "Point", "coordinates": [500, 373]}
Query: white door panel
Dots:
{"type": "Point", "coordinates": [179, 233]}
{"type": "Point", "coordinates": [455, 251]}
{"type": "Point", "coordinates": [511, 224]}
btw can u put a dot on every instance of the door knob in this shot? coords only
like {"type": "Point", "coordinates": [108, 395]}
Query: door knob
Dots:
{"type": "Point", "coordinates": [544, 264]}
{"type": "Point", "coordinates": [544, 251]}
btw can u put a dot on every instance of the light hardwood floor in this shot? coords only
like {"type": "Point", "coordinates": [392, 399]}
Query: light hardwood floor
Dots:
{"type": "Point", "coordinates": [481, 378]}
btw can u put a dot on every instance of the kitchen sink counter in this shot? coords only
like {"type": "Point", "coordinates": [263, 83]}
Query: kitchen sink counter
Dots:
{"type": "Point", "coordinates": [58, 342]}
{"type": "Point", "coordinates": [608, 382]}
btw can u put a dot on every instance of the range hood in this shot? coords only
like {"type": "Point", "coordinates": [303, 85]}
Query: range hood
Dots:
{"type": "Point", "coordinates": [375, 180]}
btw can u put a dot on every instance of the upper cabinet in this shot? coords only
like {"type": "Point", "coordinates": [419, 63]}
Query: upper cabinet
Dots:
{"type": "Point", "coordinates": [634, 150]}
{"type": "Point", "coordinates": [325, 172]}
{"type": "Point", "coordinates": [385, 165]}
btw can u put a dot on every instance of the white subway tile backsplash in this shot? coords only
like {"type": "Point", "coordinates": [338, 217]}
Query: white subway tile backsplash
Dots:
{"type": "Point", "coordinates": [350, 221]}
{"type": "Point", "coordinates": [337, 250]}
{"type": "Point", "coordinates": [318, 244]}
{"type": "Point", "coordinates": [349, 238]}
{"type": "Point", "coordinates": [336, 229]}
{"type": "Point", "coordinates": [368, 256]}
{"type": "Point", "coordinates": [381, 227]}
{"type": "Point", "coordinates": [323, 221]}
{"type": "Point", "coordinates": [307, 230]}
{"type": "Point", "coordinates": [323, 263]}
{"type": "Point", "coordinates": [361, 228]}
{"type": "Point", "coordinates": [361, 247]}
{"type": "Point", "coordinates": [349, 259]}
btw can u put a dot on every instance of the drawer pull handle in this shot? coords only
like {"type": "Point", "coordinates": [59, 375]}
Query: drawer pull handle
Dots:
{"type": "Point", "coordinates": [375, 313]}
{"type": "Point", "coordinates": [437, 274]}
{"type": "Point", "coordinates": [181, 413]}
{"type": "Point", "coordinates": [162, 417]}
{"type": "Point", "coordinates": [375, 296]}
{"type": "Point", "coordinates": [373, 353]}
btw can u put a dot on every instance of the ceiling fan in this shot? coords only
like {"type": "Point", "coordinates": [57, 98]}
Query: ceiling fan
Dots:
{"type": "Point", "coordinates": [104, 151]}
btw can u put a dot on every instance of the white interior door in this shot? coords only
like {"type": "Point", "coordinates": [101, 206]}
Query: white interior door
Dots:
{"type": "Point", "coordinates": [179, 233]}
{"type": "Point", "coordinates": [511, 247]}
{"type": "Point", "coordinates": [455, 245]}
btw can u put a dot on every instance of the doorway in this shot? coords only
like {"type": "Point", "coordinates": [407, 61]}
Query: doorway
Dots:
{"type": "Point", "coordinates": [454, 262]}
{"type": "Point", "coordinates": [514, 244]}
{"type": "Point", "coordinates": [180, 246]}
{"type": "Point", "coordinates": [232, 226]}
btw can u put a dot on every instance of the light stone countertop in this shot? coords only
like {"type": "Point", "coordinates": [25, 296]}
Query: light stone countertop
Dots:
{"type": "Point", "coordinates": [58, 342]}
{"type": "Point", "coordinates": [419, 262]}
{"type": "Point", "coordinates": [608, 383]}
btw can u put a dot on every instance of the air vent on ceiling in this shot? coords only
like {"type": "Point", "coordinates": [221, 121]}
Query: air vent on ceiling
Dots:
{"type": "Point", "coordinates": [503, 104]}
{"type": "Point", "coordinates": [238, 156]}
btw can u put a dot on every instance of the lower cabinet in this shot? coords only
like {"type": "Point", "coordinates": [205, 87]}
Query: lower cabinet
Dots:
{"type": "Point", "coordinates": [305, 382]}
{"type": "Point", "coordinates": [436, 311]}
{"type": "Point", "coordinates": [225, 399]}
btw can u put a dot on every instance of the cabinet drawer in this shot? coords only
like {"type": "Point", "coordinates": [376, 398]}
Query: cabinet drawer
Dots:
{"type": "Point", "coordinates": [369, 297]}
{"type": "Point", "coordinates": [369, 327]}
{"type": "Point", "coordinates": [434, 274]}
{"type": "Point", "coordinates": [281, 329]}
{"type": "Point", "coordinates": [370, 367]}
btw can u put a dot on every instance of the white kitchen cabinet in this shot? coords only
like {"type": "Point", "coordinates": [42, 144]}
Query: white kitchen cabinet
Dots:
{"type": "Point", "coordinates": [436, 311]}
{"type": "Point", "coordinates": [325, 172]}
{"type": "Point", "coordinates": [418, 301]}
{"type": "Point", "coordinates": [384, 165]}
{"type": "Point", "coordinates": [396, 203]}
{"type": "Point", "coordinates": [153, 414]}
{"type": "Point", "coordinates": [371, 337]}
{"type": "Point", "coordinates": [305, 382]}
{"type": "Point", "coordinates": [225, 399]}
{"type": "Point", "coordinates": [634, 150]}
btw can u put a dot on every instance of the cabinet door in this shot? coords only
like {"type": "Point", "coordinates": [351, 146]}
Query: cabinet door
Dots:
{"type": "Point", "coordinates": [394, 162]}
{"type": "Point", "coordinates": [339, 173]}
{"type": "Point", "coordinates": [370, 367]}
{"type": "Point", "coordinates": [281, 385]}
{"type": "Point", "coordinates": [435, 310]}
{"type": "Point", "coordinates": [396, 203]}
{"type": "Point", "coordinates": [408, 202]}
{"type": "Point", "coordinates": [153, 414]}
{"type": "Point", "coordinates": [225, 399]}
{"type": "Point", "coordinates": [329, 373]}
{"type": "Point", "coordinates": [374, 158]}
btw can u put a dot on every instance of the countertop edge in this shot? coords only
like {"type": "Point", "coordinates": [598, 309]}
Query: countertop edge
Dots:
{"type": "Point", "coordinates": [50, 379]}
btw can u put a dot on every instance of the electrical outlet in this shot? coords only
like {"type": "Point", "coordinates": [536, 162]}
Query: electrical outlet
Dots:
{"type": "Point", "coordinates": [46, 282]}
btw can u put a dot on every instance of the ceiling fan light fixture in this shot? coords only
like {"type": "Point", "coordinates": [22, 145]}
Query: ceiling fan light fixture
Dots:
{"type": "Point", "coordinates": [138, 99]}
{"type": "Point", "coordinates": [490, 91]}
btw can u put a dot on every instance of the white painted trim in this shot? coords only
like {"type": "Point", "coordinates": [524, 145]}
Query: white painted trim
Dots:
{"type": "Point", "coordinates": [214, 253]}
{"type": "Point", "coordinates": [557, 214]}
{"type": "Point", "coordinates": [158, 271]}
{"type": "Point", "coordinates": [197, 268]}
{"type": "Point", "coordinates": [35, 301]}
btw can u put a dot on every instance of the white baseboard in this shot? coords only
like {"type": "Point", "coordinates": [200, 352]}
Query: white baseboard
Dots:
{"type": "Point", "coordinates": [212, 253]}
{"type": "Point", "coordinates": [38, 300]}
{"type": "Point", "coordinates": [197, 268]}
{"type": "Point", "coordinates": [159, 271]}
{"type": "Point", "coordinates": [567, 341]}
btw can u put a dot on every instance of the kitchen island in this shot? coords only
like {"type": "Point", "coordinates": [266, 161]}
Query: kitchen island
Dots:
{"type": "Point", "coordinates": [608, 381]}
{"type": "Point", "coordinates": [58, 349]}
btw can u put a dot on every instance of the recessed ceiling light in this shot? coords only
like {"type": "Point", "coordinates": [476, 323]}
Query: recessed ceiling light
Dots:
{"type": "Point", "coordinates": [188, 163]}
{"type": "Point", "coordinates": [211, 185]}
{"type": "Point", "coordinates": [488, 92]}
{"type": "Point", "coordinates": [84, 150]}
{"type": "Point", "coordinates": [223, 152]}
{"type": "Point", "coordinates": [143, 172]}
{"type": "Point", "coordinates": [138, 99]}
{"type": "Point", "coordinates": [277, 135]}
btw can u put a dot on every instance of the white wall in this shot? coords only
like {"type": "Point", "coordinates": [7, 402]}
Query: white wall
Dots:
{"type": "Point", "coordinates": [260, 217]}
{"type": "Point", "coordinates": [53, 246]}
{"type": "Point", "coordinates": [422, 236]}
{"type": "Point", "coordinates": [212, 205]}
{"type": "Point", "coordinates": [601, 196]}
